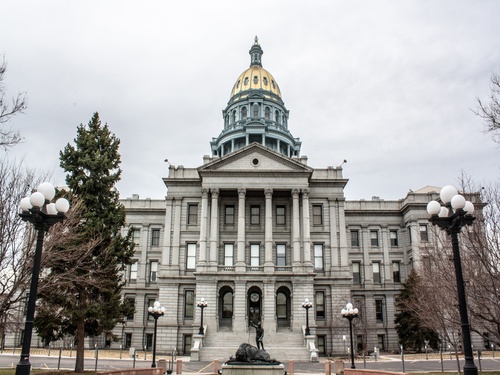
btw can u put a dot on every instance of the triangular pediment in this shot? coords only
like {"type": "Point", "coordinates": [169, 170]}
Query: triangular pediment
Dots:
{"type": "Point", "coordinates": [257, 159]}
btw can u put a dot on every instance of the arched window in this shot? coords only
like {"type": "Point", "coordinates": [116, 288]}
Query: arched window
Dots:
{"type": "Point", "coordinates": [226, 306]}
{"type": "Point", "coordinates": [233, 118]}
{"type": "Point", "coordinates": [255, 110]}
{"type": "Point", "coordinates": [244, 113]}
{"type": "Point", "coordinates": [267, 113]}
{"type": "Point", "coordinates": [277, 117]}
{"type": "Point", "coordinates": [283, 307]}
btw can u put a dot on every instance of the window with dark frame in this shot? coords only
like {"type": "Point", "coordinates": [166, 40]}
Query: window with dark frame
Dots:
{"type": "Point", "coordinates": [356, 272]}
{"type": "Point", "coordinates": [133, 272]}
{"type": "Point", "coordinates": [318, 257]}
{"type": "Point", "coordinates": [280, 255]}
{"type": "Point", "coordinates": [192, 214]}
{"type": "Point", "coordinates": [381, 342]}
{"type": "Point", "coordinates": [396, 272]}
{"type": "Point", "coordinates": [281, 304]}
{"type": "Point", "coordinates": [379, 310]}
{"type": "Point", "coordinates": [153, 271]}
{"type": "Point", "coordinates": [317, 214]}
{"type": "Point", "coordinates": [187, 344]}
{"type": "Point", "coordinates": [131, 303]}
{"type": "Point", "coordinates": [255, 255]}
{"type": "Point", "coordinates": [228, 254]}
{"type": "Point", "coordinates": [189, 304]}
{"type": "Point", "coordinates": [354, 238]}
{"type": "Point", "coordinates": [394, 238]}
{"type": "Point", "coordinates": [280, 215]}
{"type": "Point", "coordinates": [254, 215]}
{"type": "Point", "coordinates": [229, 215]}
{"type": "Point", "coordinates": [128, 340]}
{"type": "Point", "coordinates": [424, 234]}
{"type": "Point", "coordinates": [321, 344]}
{"type": "Point", "coordinates": [374, 238]}
{"type": "Point", "coordinates": [319, 304]}
{"type": "Point", "coordinates": [190, 256]}
{"type": "Point", "coordinates": [376, 273]}
{"type": "Point", "coordinates": [155, 237]}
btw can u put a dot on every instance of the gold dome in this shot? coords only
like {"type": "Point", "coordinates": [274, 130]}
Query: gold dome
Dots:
{"type": "Point", "coordinates": [256, 78]}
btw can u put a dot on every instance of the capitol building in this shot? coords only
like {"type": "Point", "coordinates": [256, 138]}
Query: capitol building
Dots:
{"type": "Point", "coordinates": [255, 231]}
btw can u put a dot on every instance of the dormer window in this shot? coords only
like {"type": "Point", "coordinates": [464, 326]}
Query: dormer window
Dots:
{"type": "Point", "coordinates": [255, 80]}
{"type": "Point", "coordinates": [265, 81]}
{"type": "Point", "coordinates": [245, 82]}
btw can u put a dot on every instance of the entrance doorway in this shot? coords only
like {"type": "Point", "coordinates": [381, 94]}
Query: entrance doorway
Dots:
{"type": "Point", "coordinates": [254, 303]}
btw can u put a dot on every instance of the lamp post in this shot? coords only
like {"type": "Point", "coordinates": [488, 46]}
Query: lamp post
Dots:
{"type": "Point", "coordinates": [456, 213]}
{"type": "Point", "coordinates": [350, 313]}
{"type": "Point", "coordinates": [38, 210]}
{"type": "Point", "coordinates": [202, 304]}
{"type": "Point", "coordinates": [307, 305]}
{"type": "Point", "coordinates": [155, 311]}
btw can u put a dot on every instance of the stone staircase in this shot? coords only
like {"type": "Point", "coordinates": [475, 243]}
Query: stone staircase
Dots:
{"type": "Point", "coordinates": [282, 346]}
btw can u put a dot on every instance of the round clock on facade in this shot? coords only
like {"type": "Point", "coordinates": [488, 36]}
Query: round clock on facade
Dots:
{"type": "Point", "coordinates": [254, 297]}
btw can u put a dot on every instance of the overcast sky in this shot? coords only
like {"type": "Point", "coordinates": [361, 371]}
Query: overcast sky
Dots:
{"type": "Point", "coordinates": [387, 85]}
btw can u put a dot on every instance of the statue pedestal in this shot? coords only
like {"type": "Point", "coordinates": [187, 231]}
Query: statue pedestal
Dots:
{"type": "Point", "coordinates": [253, 369]}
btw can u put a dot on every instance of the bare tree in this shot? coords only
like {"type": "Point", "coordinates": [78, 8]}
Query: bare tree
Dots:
{"type": "Point", "coordinates": [16, 239]}
{"type": "Point", "coordinates": [8, 136]}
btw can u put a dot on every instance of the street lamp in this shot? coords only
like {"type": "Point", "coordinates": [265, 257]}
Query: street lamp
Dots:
{"type": "Point", "coordinates": [456, 213]}
{"type": "Point", "coordinates": [155, 311]}
{"type": "Point", "coordinates": [350, 313]}
{"type": "Point", "coordinates": [307, 305]}
{"type": "Point", "coordinates": [38, 210]}
{"type": "Point", "coordinates": [202, 304]}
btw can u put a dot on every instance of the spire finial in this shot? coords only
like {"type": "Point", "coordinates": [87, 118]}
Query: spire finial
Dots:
{"type": "Point", "coordinates": [256, 53]}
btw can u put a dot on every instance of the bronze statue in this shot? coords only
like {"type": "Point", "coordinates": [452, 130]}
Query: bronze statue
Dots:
{"type": "Point", "coordinates": [259, 335]}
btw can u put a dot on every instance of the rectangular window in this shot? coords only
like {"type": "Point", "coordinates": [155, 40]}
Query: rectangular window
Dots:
{"type": "Point", "coordinates": [321, 344]}
{"type": "Point", "coordinates": [151, 302]}
{"type": "Point", "coordinates": [319, 303]}
{"type": "Point", "coordinates": [190, 256]}
{"type": "Point", "coordinates": [374, 238]}
{"type": "Point", "coordinates": [136, 236]}
{"type": "Point", "coordinates": [280, 215]}
{"type": "Point", "coordinates": [153, 271]}
{"type": "Point", "coordinates": [408, 229]}
{"type": "Point", "coordinates": [187, 344]}
{"type": "Point", "coordinates": [133, 272]}
{"type": "Point", "coordinates": [424, 235]}
{"type": "Point", "coordinates": [149, 340]}
{"type": "Point", "coordinates": [281, 255]}
{"type": "Point", "coordinates": [229, 215]}
{"type": "Point", "coordinates": [254, 255]}
{"type": "Point", "coordinates": [381, 342]}
{"type": "Point", "coordinates": [228, 254]}
{"type": "Point", "coordinates": [317, 214]}
{"type": "Point", "coordinates": [155, 237]}
{"type": "Point", "coordinates": [396, 272]}
{"type": "Point", "coordinates": [379, 310]}
{"type": "Point", "coordinates": [192, 218]}
{"type": "Point", "coordinates": [394, 238]}
{"type": "Point", "coordinates": [356, 272]}
{"type": "Point", "coordinates": [189, 304]}
{"type": "Point", "coordinates": [376, 273]}
{"type": "Point", "coordinates": [354, 238]}
{"type": "Point", "coordinates": [128, 340]}
{"type": "Point", "coordinates": [318, 257]}
{"type": "Point", "coordinates": [131, 303]}
{"type": "Point", "coordinates": [255, 215]}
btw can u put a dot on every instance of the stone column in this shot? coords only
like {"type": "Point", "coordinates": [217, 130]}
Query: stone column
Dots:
{"type": "Point", "coordinates": [268, 235]}
{"type": "Point", "coordinates": [386, 264]}
{"type": "Point", "coordinates": [202, 259]}
{"type": "Point", "coordinates": [240, 257]}
{"type": "Point", "coordinates": [214, 226]}
{"type": "Point", "coordinates": [344, 253]}
{"type": "Point", "coordinates": [296, 227]}
{"type": "Point", "coordinates": [306, 224]}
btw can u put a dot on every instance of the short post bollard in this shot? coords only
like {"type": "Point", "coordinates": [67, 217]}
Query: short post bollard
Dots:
{"type": "Point", "coordinates": [134, 355]}
{"type": "Point", "coordinates": [290, 367]}
{"type": "Point", "coordinates": [479, 359]}
{"type": "Point", "coordinates": [96, 357]}
{"type": "Point", "coordinates": [328, 368]}
{"type": "Point", "coordinates": [441, 355]}
{"type": "Point", "coordinates": [402, 356]}
{"type": "Point", "coordinates": [59, 360]}
{"type": "Point", "coordinates": [178, 369]}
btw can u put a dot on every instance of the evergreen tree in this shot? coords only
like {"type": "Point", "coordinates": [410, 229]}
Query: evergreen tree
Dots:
{"type": "Point", "coordinates": [81, 295]}
{"type": "Point", "coordinates": [412, 333]}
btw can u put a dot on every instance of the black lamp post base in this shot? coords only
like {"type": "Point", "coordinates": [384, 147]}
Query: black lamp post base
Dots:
{"type": "Point", "coordinates": [23, 368]}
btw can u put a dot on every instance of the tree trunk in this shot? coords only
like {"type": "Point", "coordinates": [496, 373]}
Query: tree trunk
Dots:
{"type": "Point", "coordinates": [80, 345]}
